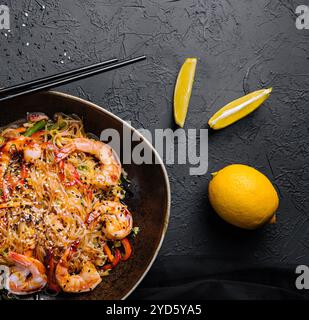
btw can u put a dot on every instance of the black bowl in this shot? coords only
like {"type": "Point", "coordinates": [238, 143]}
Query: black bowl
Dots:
{"type": "Point", "coordinates": [149, 196]}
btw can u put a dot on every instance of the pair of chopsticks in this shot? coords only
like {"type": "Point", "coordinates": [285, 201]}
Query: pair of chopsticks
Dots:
{"type": "Point", "coordinates": [64, 78]}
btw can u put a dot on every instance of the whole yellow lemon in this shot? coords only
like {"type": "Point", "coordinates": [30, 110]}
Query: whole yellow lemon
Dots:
{"type": "Point", "coordinates": [243, 196]}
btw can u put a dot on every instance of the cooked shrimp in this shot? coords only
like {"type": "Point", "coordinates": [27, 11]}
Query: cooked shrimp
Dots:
{"type": "Point", "coordinates": [110, 165]}
{"type": "Point", "coordinates": [87, 279]}
{"type": "Point", "coordinates": [117, 220]}
{"type": "Point", "coordinates": [26, 276]}
{"type": "Point", "coordinates": [4, 164]}
{"type": "Point", "coordinates": [30, 149]}
{"type": "Point", "coordinates": [36, 116]}
{"type": "Point", "coordinates": [11, 133]}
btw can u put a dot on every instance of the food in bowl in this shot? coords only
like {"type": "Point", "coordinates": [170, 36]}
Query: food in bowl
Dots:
{"type": "Point", "coordinates": [63, 221]}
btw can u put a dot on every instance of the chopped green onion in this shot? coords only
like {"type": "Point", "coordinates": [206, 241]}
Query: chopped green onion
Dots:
{"type": "Point", "coordinates": [117, 244]}
{"type": "Point", "coordinates": [135, 231]}
{"type": "Point", "coordinates": [2, 141]}
{"type": "Point", "coordinates": [59, 125]}
{"type": "Point", "coordinates": [35, 128]}
{"type": "Point", "coordinates": [50, 125]}
{"type": "Point", "coordinates": [105, 273]}
{"type": "Point", "coordinates": [82, 167]}
{"type": "Point", "coordinates": [124, 178]}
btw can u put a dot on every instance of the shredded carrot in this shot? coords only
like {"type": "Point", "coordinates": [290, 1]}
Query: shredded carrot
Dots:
{"type": "Point", "coordinates": [14, 204]}
{"type": "Point", "coordinates": [108, 252]}
{"type": "Point", "coordinates": [21, 129]}
{"type": "Point", "coordinates": [127, 249]}
{"type": "Point", "coordinates": [38, 135]}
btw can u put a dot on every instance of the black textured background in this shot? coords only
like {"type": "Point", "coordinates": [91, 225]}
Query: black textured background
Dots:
{"type": "Point", "coordinates": [241, 45]}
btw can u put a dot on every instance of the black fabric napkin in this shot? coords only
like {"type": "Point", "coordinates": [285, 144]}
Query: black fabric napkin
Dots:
{"type": "Point", "coordinates": [199, 277]}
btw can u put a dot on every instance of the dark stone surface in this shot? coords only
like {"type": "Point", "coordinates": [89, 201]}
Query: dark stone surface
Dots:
{"type": "Point", "coordinates": [241, 46]}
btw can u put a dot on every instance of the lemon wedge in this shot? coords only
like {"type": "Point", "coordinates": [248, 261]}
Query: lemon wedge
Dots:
{"type": "Point", "coordinates": [238, 109]}
{"type": "Point", "coordinates": [183, 90]}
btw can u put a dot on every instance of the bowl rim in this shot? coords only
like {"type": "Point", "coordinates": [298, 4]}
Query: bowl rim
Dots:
{"type": "Point", "coordinates": [160, 162]}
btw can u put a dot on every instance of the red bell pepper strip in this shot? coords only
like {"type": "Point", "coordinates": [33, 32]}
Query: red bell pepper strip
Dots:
{"type": "Point", "coordinates": [87, 217]}
{"type": "Point", "coordinates": [61, 169]}
{"type": "Point", "coordinates": [72, 182]}
{"type": "Point", "coordinates": [107, 267]}
{"type": "Point", "coordinates": [51, 279]}
{"type": "Point", "coordinates": [117, 258]}
{"type": "Point", "coordinates": [74, 173]}
{"type": "Point", "coordinates": [108, 252]}
{"type": "Point", "coordinates": [114, 259]}
{"type": "Point", "coordinates": [23, 173]}
{"type": "Point", "coordinates": [38, 135]}
{"type": "Point", "coordinates": [90, 194]}
{"type": "Point", "coordinates": [127, 249]}
{"type": "Point", "coordinates": [74, 245]}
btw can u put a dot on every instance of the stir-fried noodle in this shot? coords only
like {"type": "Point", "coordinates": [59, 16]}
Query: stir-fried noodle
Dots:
{"type": "Point", "coordinates": [62, 222]}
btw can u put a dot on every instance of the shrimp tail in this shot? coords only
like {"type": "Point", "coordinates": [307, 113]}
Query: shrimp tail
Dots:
{"type": "Point", "coordinates": [65, 151]}
{"type": "Point", "coordinates": [19, 259]}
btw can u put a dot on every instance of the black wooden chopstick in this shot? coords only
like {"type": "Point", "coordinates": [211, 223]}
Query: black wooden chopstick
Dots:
{"type": "Point", "coordinates": [38, 82]}
{"type": "Point", "coordinates": [74, 77]}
